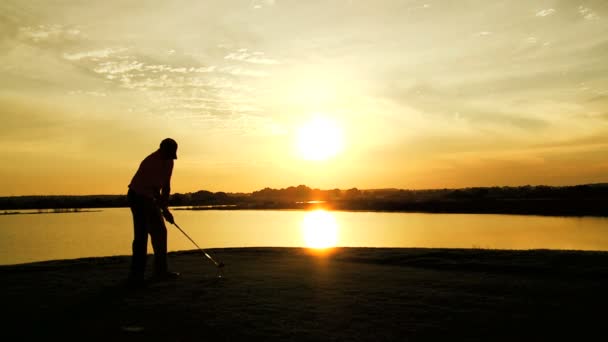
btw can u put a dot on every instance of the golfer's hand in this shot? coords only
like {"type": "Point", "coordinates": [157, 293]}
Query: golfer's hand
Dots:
{"type": "Point", "coordinates": [168, 216]}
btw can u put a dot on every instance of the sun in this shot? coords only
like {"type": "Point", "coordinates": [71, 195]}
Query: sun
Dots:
{"type": "Point", "coordinates": [320, 229]}
{"type": "Point", "coordinates": [319, 139]}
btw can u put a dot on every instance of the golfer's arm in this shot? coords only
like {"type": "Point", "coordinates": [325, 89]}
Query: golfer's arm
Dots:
{"type": "Point", "coordinates": [165, 190]}
{"type": "Point", "coordinates": [164, 195]}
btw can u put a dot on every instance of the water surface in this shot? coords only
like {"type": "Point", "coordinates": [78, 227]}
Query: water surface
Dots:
{"type": "Point", "coordinates": [37, 237]}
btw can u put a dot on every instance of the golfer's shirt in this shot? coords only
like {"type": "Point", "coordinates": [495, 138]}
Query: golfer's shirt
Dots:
{"type": "Point", "coordinates": [154, 174]}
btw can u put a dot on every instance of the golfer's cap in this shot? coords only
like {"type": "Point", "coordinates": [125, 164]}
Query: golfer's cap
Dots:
{"type": "Point", "coordinates": [170, 146]}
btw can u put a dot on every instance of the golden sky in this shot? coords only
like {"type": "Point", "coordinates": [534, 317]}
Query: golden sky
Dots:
{"type": "Point", "coordinates": [424, 94]}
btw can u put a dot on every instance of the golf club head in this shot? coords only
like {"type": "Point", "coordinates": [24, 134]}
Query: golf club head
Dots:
{"type": "Point", "coordinates": [220, 264]}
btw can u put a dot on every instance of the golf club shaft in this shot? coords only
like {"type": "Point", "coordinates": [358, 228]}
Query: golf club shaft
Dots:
{"type": "Point", "coordinates": [200, 249]}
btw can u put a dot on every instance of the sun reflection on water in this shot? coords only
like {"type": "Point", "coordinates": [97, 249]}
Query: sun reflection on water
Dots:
{"type": "Point", "coordinates": [320, 230]}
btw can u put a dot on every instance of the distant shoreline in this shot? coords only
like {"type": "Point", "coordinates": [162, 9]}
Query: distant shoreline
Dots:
{"type": "Point", "coordinates": [50, 211]}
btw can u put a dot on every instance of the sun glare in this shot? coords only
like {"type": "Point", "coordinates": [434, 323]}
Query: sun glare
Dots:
{"type": "Point", "coordinates": [320, 229]}
{"type": "Point", "coordinates": [319, 139]}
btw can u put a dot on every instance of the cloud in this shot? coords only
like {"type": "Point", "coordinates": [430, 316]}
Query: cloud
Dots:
{"type": "Point", "coordinates": [90, 93]}
{"type": "Point", "coordinates": [531, 40]}
{"type": "Point", "coordinates": [256, 57]}
{"type": "Point", "coordinates": [49, 33]}
{"type": "Point", "coordinates": [119, 67]}
{"type": "Point", "coordinates": [545, 12]}
{"type": "Point", "coordinates": [259, 4]}
{"type": "Point", "coordinates": [236, 71]}
{"type": "Point", "coordinates": [199, 95]}
{"type": "Point", "coordinates": [95, 54]}
{"type": "Point", "coordinates": [465, 106]}
{"type": "Point", "coordinates": [587, 13]}
{"type": "Point", "coordinates": [182, 70]}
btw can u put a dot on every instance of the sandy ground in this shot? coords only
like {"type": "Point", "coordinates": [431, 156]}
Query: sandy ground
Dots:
{"type": "Point", "coordinates": [290, 294]}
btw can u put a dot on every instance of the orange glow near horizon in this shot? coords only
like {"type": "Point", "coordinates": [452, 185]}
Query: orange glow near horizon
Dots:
{"type": "Point", "coordinates": [320, 230]}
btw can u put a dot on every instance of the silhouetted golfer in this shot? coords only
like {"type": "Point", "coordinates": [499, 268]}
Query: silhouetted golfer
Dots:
{"type": "Point", "coordinates": [148, 198]}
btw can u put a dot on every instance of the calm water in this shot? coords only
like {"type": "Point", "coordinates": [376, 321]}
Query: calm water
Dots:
{"type": "Point", "coordinates": [37, 237]}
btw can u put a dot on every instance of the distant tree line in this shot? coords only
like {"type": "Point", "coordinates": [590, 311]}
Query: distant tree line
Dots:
{"type": "Point", "coordinates": [63, 202]}
{"type": "Point", "coordinates": [590, 199]}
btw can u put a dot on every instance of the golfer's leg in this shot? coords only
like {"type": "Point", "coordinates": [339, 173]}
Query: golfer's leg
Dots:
{"type": "Point", "coordinates": [140, 237]}
{"type": "Point", "coordinates": [158, 234]}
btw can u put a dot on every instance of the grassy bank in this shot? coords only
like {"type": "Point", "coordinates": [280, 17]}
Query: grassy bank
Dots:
{"type": "Point", "coordinates": [352, 294]}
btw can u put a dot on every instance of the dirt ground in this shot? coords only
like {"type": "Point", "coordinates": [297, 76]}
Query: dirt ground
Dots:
{"type": "Point", "coordinates": [293, 294]}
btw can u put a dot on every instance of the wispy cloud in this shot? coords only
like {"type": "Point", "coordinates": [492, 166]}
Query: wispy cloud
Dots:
{"type": "Point", "coordinates": [259, 4]}
{"type": "Point", "coordinates": [243, 55]}
{"type": "Point", "coordinates": [181, 70]}
{"type": "Point", "coordinates": [95, 54]}
{"type": "Point", "coordinates": [545, 12]}
{"type": "Point", "coordinates": [587, 13]}
{"type": "Point", "coordinates": [44, 33]}
{"type": "Point", "coordinates": [243, 72]}
{"type": "Point", "coordinates": [201, 95]}
{"type": "Point", "coordinates": [90, 93]}
{"type": "Point", "coordinates": [118, 67]}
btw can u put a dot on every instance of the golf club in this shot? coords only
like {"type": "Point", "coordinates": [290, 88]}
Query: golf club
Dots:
{"type": "Point", "coordinates": [218, 264]}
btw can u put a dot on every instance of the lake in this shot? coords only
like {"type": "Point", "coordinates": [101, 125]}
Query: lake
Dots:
{"type": "Point", "coordinates": [37, 237]}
